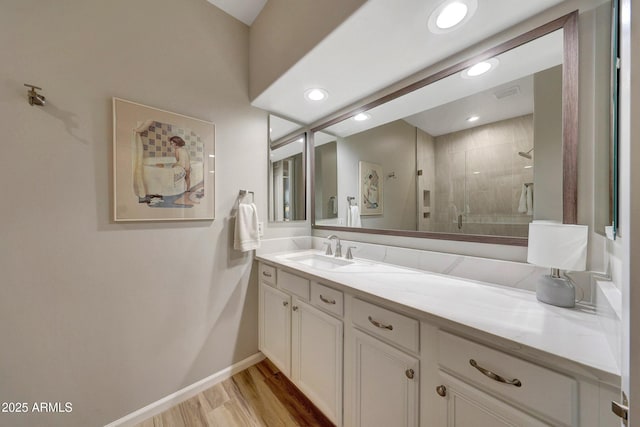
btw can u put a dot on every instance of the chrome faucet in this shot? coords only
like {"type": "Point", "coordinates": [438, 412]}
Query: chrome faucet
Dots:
{"type": "Point", "coordinates": [338, 245]}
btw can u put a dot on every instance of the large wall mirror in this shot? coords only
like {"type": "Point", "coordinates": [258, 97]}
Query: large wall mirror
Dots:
{"type": "Point", "coordinates": [474, 152]}
{"type": "Point", "coordinates": [287, 172]}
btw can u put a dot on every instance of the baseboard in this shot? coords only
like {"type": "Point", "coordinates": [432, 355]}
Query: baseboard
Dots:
{"type": "Point", "coordinates": [181, 395]}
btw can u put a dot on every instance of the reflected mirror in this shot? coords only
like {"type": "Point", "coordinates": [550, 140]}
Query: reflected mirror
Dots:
{"type": "Point", "coordinates": [287, 183]}
{"type": "Point", "coordinates": [280, 128]}
{"type": "Point", "coordinates": [463, 154]}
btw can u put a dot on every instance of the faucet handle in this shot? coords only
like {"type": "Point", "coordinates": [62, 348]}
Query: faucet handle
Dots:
{"type": "Point", "coordinates": [328, 251]}
{"type": "Point", "coordinates": [349, 255]}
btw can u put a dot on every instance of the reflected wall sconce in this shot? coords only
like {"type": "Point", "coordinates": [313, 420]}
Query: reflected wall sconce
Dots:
{"type": "Point", "coordinates": [34, 97]}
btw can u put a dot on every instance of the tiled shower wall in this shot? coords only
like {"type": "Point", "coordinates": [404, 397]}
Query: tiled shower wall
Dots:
{"type": "Point", "coordinates": [480, 176]}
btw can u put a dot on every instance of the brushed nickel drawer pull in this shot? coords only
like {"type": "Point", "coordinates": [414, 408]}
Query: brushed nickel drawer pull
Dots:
{"type": "Point", "coordinates": [441, 390]}
{"type": "Point", "coordinates": [326, 300]}
{"type": "Point", "coordinates": [409, 373]}
{"type": "Point", "coordinates": [285, 303]}
{"type": "Point", "coordinates": [264, 273]}
{"type": "Point", "coordinates": [295, 308]}
{"type": "Point", "coordinates": [380, 325]}
{"type": "Point", "coordinates": [516, 382]}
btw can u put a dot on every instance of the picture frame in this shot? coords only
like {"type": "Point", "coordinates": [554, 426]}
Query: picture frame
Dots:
{"type": "Point", "coordinates": [370, 188]}
{"type": "Point", "coordinates": [163, 165]}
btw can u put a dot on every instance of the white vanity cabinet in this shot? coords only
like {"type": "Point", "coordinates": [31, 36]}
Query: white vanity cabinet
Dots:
{"type": "Point", "coordinates": [366, 361]}
{"type": "Point", "coordinates": [482, 386]}
{"type": "Point", "coordinates": [274, 332]}
{"type": "Point", "coordinates": [463, 405]}
{"type": "Point", "coordinates": [316, 358]}
{"type": "Point", "coordinates": [304, 342]}
{"type": "Point", "coordinates": [384, 381]}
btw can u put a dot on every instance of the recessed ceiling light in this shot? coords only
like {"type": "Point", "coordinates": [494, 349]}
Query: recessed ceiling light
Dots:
{"type": "Point", "coordinates": [450, 15]}
{"type": "Point", "coordinates": [316, 94]}
{"type": "Point", "coordinates": [528, 167]}
{"type": "Point", "coordinates": [361, 117]}
{"type": "Point", "coordinates": [480, 68]}
{"type": "Point", "coordinates": [472, 118]}
{"type": "Point", "coordinates": [300, 140]}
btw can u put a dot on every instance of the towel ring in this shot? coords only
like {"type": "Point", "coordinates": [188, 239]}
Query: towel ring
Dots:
{"type": "Point", "coordinates": [243, 193]}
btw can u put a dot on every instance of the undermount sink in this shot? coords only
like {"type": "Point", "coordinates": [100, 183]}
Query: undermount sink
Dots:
{"type": "Point", "coordinates": [319, 261]}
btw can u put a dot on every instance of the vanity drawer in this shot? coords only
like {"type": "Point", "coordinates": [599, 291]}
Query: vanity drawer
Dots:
{"type": "Point", "coordinates": [267, 274]}
{"type": "Point", "coordinates": [293, 284]}
{"type": "Point", "coordinates": [327, 298]}
{"type": "Point", "coordinates": [397, 328]}
{"type": "Point", "coordinates": [547, 392]}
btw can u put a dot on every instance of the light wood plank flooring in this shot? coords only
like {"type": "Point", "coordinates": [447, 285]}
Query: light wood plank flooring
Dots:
{"type": "Point", "coordinates": [259, 396]}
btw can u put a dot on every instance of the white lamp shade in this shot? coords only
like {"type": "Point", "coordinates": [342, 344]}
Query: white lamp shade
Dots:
{"type": "Point", "coordinates": [562, 246]}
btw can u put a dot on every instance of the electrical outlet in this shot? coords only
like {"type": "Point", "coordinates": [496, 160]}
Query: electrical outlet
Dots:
{"type": "Point", "coordinates": [260, 229]}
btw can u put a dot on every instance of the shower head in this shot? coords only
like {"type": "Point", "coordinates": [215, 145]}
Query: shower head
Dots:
{"type": "Point", "coordinates": [525, 155]}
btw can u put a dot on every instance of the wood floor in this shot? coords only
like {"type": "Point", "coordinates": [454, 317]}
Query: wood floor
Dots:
{"type": "Point", "coordinates": [258, 396]}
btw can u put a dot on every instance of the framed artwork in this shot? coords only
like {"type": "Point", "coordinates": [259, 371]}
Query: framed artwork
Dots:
{"type": "Point", "coordinates": [370, 188]}
{"type": "Point", "coordinates": [163, 165]}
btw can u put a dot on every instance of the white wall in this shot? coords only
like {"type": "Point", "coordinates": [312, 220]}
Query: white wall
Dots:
{"type": "Point", "coordinates": [112, 317]}
{"type": "Point", "coordinates": [623, 252]}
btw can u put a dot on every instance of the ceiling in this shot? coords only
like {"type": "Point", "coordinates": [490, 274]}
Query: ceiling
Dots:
{"type": "Point", "coordinates": [378, 45]}
{"type": "Point", "coordinates": [243, 10]}
{"type": "Point", "coordinates": [443, 106]}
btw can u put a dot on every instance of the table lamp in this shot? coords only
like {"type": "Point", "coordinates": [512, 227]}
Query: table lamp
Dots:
{"type": "Point", "coordinates": [559, 247]}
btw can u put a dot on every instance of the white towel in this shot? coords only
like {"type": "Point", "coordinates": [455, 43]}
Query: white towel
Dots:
{"type": "Point", "coordinates": [353, 217]}
{"type": "Point", "coordinates": [530, 199]}
{"type": "Point", "coordinates": [522, 206]}
{"type": "Point", "coordinates": [246, 235]}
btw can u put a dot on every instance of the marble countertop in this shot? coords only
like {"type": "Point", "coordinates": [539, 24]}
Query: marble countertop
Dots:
{"type": "Point", "coordinates": [572, 335]}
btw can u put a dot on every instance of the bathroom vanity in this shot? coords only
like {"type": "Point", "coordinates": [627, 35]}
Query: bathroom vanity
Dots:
{"type": "Point", "coordinates": [374, 344]}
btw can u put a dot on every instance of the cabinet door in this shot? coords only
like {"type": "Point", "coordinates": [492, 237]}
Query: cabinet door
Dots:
{"type": "Point", "coordinates": [275, 327]}
{"type": "Point", "coordinates": [386, 384]}
{"type": "Point", "coordinates": [316, 356]}
{"type": "Point", "coordinates": [466, 406]}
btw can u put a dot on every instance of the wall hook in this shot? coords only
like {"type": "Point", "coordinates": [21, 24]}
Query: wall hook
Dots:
{"type": "Point", "coordinates": [34, 97]}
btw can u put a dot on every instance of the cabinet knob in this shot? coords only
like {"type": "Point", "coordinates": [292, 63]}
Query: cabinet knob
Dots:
{"type": "Point", "coordinates": [441, 390]}
{"type": "Point", "coordinates": [409, 373]}
{"type": "Point", "coordinates": [285, 303]}
{"type": "Point", "coordinates": [295, 308]}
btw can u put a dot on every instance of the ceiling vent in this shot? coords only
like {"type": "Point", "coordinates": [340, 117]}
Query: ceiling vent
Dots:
{"type": "Point", "coordinates": [507, 92]}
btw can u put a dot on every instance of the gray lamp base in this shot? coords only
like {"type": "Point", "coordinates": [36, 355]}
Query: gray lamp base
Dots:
{"type": "Point", "coordinates": [558, 291]}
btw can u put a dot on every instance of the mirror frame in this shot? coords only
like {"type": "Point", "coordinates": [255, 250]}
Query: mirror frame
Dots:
{"type": "Point", "coordinates": [614, 113]}
{"type": "Point", "coordinates": [286, 140]}
{"type": "Point", "coordinates": [569, 24]}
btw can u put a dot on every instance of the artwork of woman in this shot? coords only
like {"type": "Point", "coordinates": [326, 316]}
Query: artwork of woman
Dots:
{"type": "Point", "coordinates": [370, 190]}
{"type": "Point", "coordinates": [182, 158]}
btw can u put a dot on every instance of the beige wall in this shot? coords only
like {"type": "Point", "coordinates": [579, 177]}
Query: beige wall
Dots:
{"type": "Point", "coordinates": [112, 317]}
{"type": "Point", "coordinates": [393, 147]}
{"type": "Point", "coordinates": [326, 185]}
{"type": "Point", "coordinates": [286, 30]}
{"type": "Point", "coordinates": [547, 156]}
